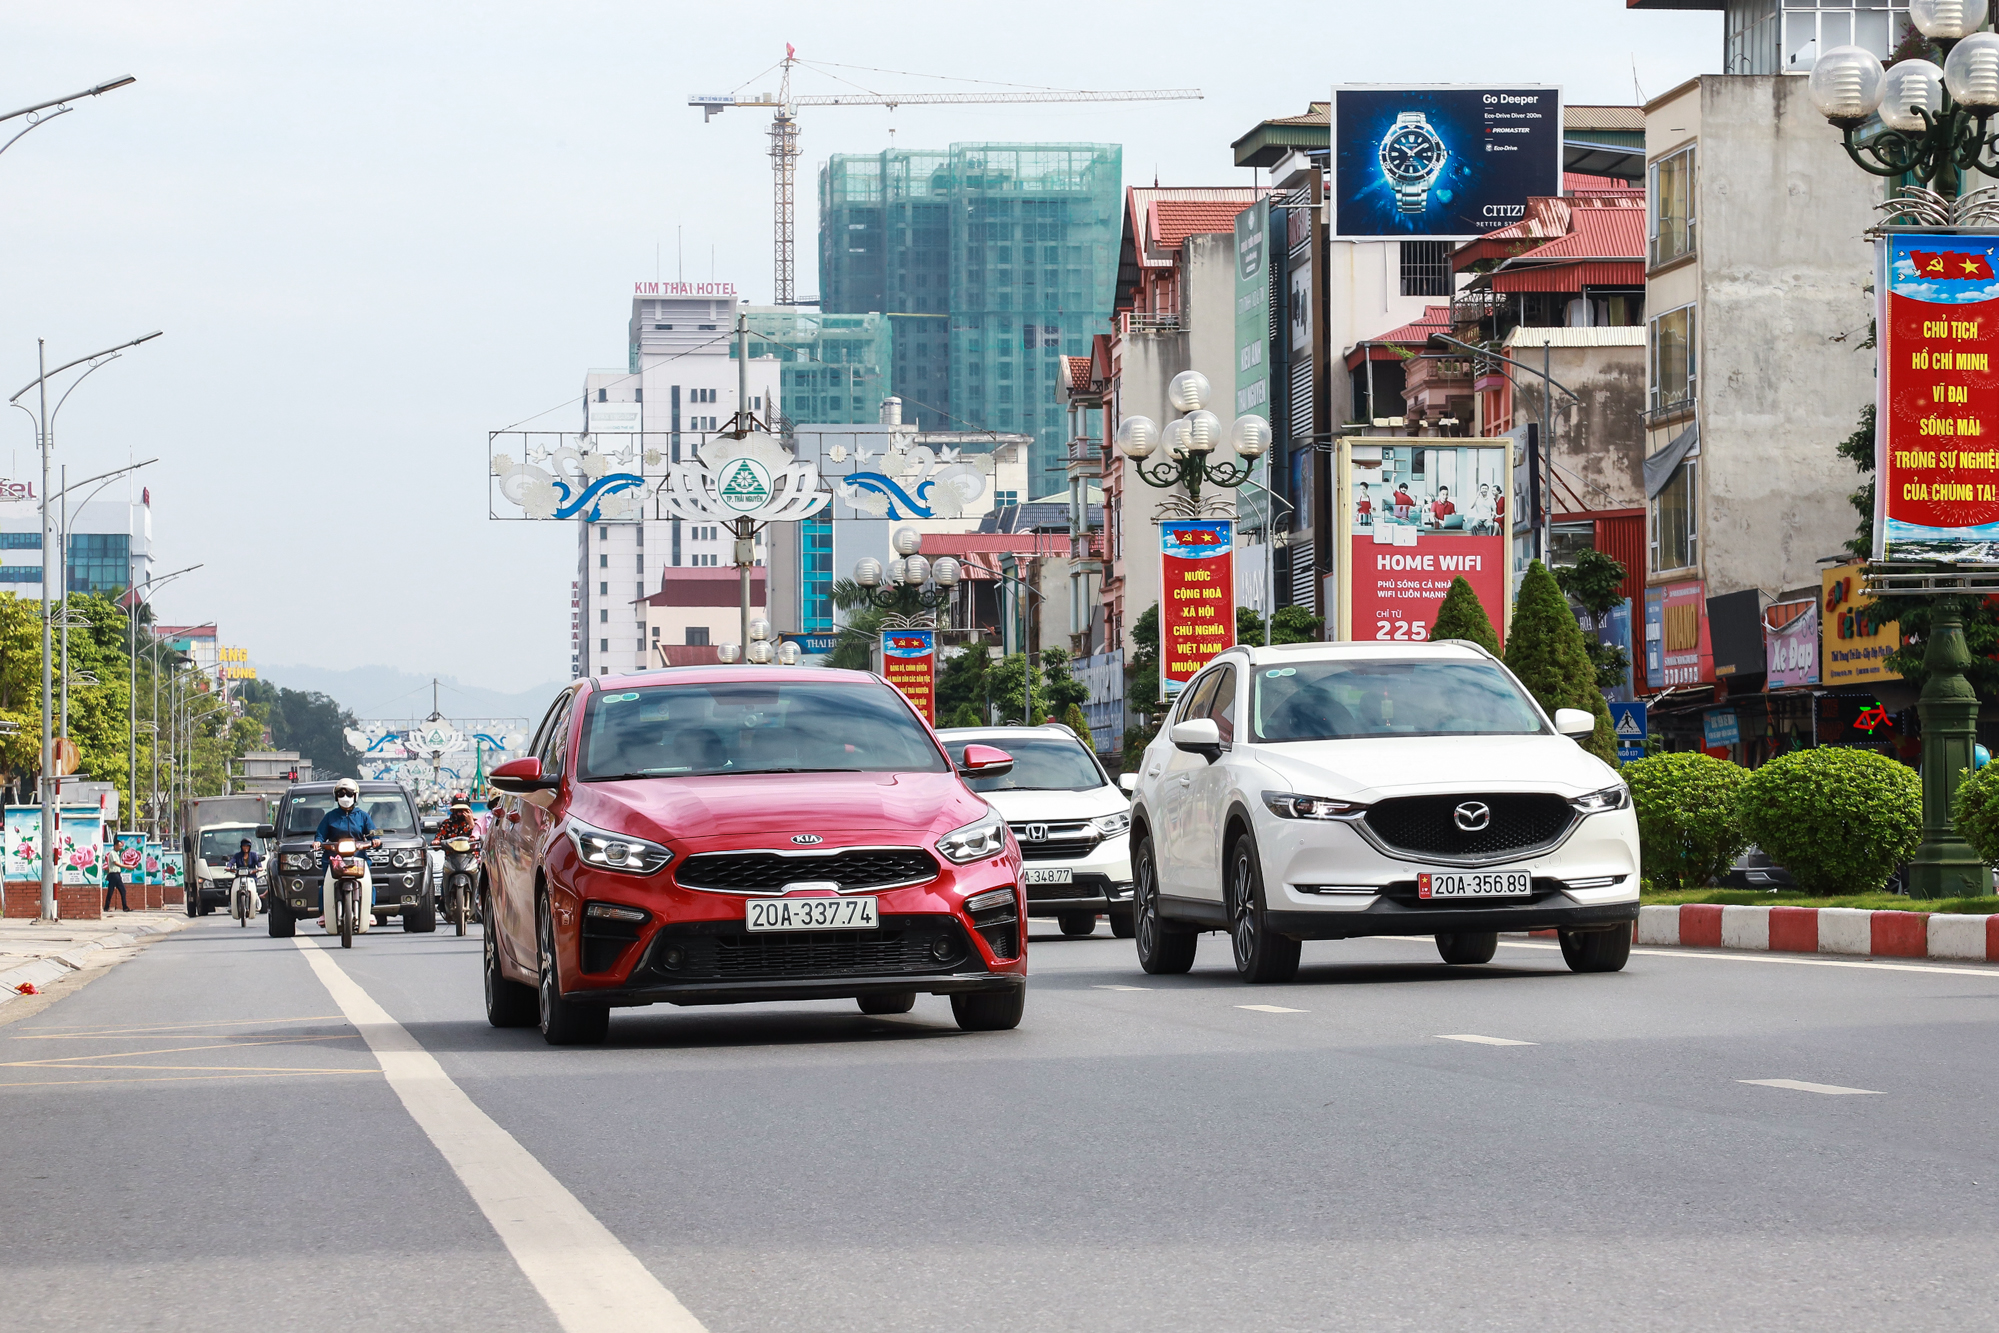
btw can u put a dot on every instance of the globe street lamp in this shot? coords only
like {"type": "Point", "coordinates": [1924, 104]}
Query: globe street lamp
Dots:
{"type": "Point", "coordinates": [909, 586]}
{"type": "Point", "coordinates": [1190, 441]}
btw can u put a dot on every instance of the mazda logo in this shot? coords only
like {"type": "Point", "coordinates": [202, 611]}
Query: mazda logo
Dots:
{"type": "Point", "coordinates": [1472, 816]}
{"type": "Point", "coordinates": [806, 839]}
{"type": "Point", "coordinates": [1035, 833]}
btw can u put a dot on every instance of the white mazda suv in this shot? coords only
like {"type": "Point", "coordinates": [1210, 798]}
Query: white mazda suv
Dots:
{"type": "Point", "coordinates": [1334, 790]}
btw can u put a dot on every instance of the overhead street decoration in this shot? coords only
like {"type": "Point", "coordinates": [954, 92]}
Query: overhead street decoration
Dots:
{"type": "Point", "coordinates": [753, 478]}
{"type": "Point", "coordinates": [628, 476]}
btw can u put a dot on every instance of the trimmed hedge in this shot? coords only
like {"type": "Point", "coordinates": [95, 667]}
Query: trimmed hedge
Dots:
{"type": "Point", "coordinates": [1839, 820]}
{"type": "Point", "coordinates": [1687, 832]}
{"type": "Point", "coordinates": [1976, 813]}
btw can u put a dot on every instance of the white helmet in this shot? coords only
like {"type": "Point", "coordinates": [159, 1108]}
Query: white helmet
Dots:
{"type": "Point", "coordinates": [347, 787]}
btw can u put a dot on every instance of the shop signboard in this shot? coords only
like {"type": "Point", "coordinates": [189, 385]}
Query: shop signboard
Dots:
{"type": "Point", "coordinates": [1791, 649]}
{"type": "Point", "coordinates": [1413, 516]}
{"type": "Point", "coordinates": [909, 662]}
{"type": "Point", "coordinates": [1719, 728]}
{"type": "Point", "coordinates": [1627, 724]}
{"type": "Point", "coordinates": [1196, 597]}
{"type": "Point", "coordinates": [1441, 161]}
{"type": "Point", "coordinates": [1677, 651]}
{"type": "Point", "coordinates": [1849, 653]}
{"type": "Point", "coordinates": [1936, 444]}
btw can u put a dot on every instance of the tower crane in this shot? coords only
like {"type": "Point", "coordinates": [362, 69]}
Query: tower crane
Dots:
{"type": "Point", "coordinates": [784, 136]}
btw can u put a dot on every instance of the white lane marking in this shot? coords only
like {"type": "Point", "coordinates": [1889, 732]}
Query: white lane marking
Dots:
{"type": "Point", "coordinates": [1483, 1041]}
{"type": "Point", "coordinates": [592, 1283]}
{"type": "Point", "coordinates": [1144, 988]}
{"type": "Point", "coordinates": [1829, 1089]}
{"type": "Point", "coordinates": [1271, 1009]}
{"type": "Point", "coordinates": [1800, 960]}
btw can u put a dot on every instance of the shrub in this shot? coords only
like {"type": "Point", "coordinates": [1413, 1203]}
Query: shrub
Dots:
{"type": "Point", "coordinates": [1073, 718]}
{"type": "Point", "coordinates": [1977, 812]}
{"type": "Point", "coordinates": [1545, 650]}
{"type": "Point", "coordinates": [1839, 820]}
{"type": "Point", "coordinates": [1463, 617]}
{"type": "Point", "coordinates": [1687, 832]}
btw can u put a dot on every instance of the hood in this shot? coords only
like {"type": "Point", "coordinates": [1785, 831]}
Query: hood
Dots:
{"type": "Point", "coordinates": [1057, 806]}
{"type": "Point", "coordinates": [1376, 769]}
{"type": "Point", "coordinates": [753, 809]}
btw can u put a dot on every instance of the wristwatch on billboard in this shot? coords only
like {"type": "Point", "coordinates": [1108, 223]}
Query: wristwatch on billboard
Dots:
{"type": "Point", "coordinates": [1412, 157]}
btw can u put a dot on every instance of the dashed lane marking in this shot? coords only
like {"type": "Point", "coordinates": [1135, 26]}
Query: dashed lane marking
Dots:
{"type": "Point", "coordinates": [590, 1281]}
{"type": "Point", "coordinates": [1131, 988]}
{"type": "Point", "coordinates": [1825, 1089]}
{"type": "Point", "coordinates": [1477, 1040]}
{"type": "Point", "coordinates": [1271, 1009]}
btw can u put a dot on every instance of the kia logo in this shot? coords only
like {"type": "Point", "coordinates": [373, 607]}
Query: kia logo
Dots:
{"type": "Point", "coordinates": [1035, 833]}
{"type": "Point", "coordinates": [806, 839]}
{"type": "Point", "coordinates": [1472, 816]}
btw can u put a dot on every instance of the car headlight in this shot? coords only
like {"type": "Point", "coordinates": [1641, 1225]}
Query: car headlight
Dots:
{"type": "Point", "coordinates": [985, 902]}
{"type": "Point", "coordinates": [1602, 802]}
{"type": "Point", "coordinates": [1109, 826]}
{"type": "Point", "coordinates": [300, 861]}
{"type": "Point", "coordinates": [1290, 805]}
{"type": "Point", "coordinates": [984, 836]}
{"type": "Point", "coordinates": [616, 851]}
{"type": "Point", "coordinates": [409, 856]}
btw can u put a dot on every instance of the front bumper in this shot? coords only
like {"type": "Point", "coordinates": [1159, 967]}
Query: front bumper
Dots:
{"type": "Point", "coordinates": [1102, 880]}
{"type": "Point", "coordinates": [1557, 911]}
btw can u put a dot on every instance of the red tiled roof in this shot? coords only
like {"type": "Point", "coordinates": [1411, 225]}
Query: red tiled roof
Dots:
{"type": "Point", "coordinates": [1575, 181]}
{"type": "Point", "coordinates": [1571, 277]}
{"type": "Point", "coordinates": [1174, 220]}
{"type": "Point", "coordinates": [1079, 373]}
{"type": "Point", "coordinates": [720, 586]}
{"type": "Point", "coordinates": [1416, 333]}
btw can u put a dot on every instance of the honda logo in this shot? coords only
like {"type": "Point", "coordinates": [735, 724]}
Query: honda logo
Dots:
{"type": "Point", "coordinates": [1034, 833]}
{"type": "Point", "coordinates": [1472, 816]}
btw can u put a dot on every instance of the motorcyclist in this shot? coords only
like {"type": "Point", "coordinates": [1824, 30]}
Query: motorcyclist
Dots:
{"type": "Point", "coordinates": [458, 824]}
{"type": "Point", "coordinates": [245, 862]}
{"type": "Point", "coordinates": [347, 820]}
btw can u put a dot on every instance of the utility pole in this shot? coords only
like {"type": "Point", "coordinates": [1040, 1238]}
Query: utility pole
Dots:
{"type": "Point", "coordinates": [744, 528]}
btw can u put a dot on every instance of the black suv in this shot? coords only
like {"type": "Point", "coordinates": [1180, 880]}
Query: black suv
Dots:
{"type": "Point", "coordinates": [402, 881]}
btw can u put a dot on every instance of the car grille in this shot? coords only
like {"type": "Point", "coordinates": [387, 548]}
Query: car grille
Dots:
{"type": "Point", "coordinates": [1058, 842]}
{"type": "Point", "coordinates": [1424, 825]}
{"type": "Point", "coordinates": [769, 872]}
{"type": "Point", "coordinates": [905, 946]}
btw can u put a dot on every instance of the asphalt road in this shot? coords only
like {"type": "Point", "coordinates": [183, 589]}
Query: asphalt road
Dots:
{"type": "Point", "coordinates": [200, 1140]}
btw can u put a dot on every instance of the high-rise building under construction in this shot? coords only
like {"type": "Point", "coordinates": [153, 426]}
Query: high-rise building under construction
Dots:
{"type": "Point", "coordinates": [992, 260]}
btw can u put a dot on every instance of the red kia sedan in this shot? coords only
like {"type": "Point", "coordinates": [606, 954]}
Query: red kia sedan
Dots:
{"type": "Point", "coordinates": [723, 835]}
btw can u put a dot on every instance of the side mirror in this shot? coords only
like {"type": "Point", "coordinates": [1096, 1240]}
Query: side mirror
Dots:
{"type": "Point", "coordinates": [267, 831]}
{"type": "Point", "coordinates": [521, 776]}
{"type": "Point", "coordinates": [985, 761]}
{"type": "Point", "coordinates": [1128, 784]}
{"type": "Point", "coordinates": [1574, 722]}
{"type": "Point", "coordinates": [432, 825]}
{"type": "Point", "coordinates": [1198, 735]}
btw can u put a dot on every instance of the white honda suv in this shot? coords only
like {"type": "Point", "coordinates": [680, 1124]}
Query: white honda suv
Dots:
{"type": "Point", "coordinates": [1331, 790]}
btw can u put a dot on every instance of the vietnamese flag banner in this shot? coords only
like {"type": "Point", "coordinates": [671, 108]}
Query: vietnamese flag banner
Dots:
{"type": "Point", "coordinates": [1936, 440]}
{"type": "Point", "coordinates": [909, 662]}
{"type": "Point", "coordinates": [1196, 598]}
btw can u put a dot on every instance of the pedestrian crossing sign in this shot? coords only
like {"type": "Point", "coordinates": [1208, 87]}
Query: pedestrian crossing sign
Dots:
{"type": "Point", "coordinates": [1627, 723]}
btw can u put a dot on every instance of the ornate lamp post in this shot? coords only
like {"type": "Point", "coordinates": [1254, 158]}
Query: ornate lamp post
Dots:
{"type": "Point", "coordinates": [1935, 128]}
{"type": "Point", "coordinates": [911, 588]}
{"type": "Point", "coordinates": [1190, 440]}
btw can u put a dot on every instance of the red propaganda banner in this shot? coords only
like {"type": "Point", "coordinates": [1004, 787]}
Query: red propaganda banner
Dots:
{"type": "Point", "coordinates": [1937, 439]}
{"type": "Point", "coordinates": [909, 662]}
{"type": "Point", "coordinates": [1196, 598]}
{"type": "Point", "coordinates": [1417, 515]}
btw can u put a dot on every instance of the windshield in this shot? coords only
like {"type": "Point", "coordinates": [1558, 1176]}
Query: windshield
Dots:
{"type": "Point", "coordinates": [389, 811]}
{"type": "Point", "coordinates": [1317, 701]}
{"type": "Point", "coordinates": [1038, 765]}
{"type": "Point", "coordinates": [670, 731]}
{"type": "Point", "coordinates": [219, 844]}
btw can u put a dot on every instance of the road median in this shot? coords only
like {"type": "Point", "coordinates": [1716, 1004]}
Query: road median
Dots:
{"type": "Point", "coordinates": [1826, 930]}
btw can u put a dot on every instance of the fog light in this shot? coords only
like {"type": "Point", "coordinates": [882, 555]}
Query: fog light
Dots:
{"type": "Point", "coordinates": [945, 949]}
{"type": "Point", "coordinates": [672, 958]}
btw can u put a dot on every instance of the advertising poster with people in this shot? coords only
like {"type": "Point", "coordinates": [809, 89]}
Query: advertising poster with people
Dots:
{"type": "Point", "coordinates": [1196, 598]}
{"type": "Point", "coordinates": [1414, 516]}
{"type": "Point", "coordinates": [1936, 449]}
{"type": "Point", "coordinates": [1441, 161]}
{"type": "Point", "coordinates": [909, 662]}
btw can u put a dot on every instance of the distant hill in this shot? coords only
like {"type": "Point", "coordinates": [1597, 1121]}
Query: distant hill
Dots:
{"type": "Point", "coordinates": [390, 693]}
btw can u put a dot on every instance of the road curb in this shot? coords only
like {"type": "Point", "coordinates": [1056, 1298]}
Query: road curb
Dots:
{"type": "Point", "coordinates": [42, 971]}
{"type": "Point", "coordinates": [1830, 930]}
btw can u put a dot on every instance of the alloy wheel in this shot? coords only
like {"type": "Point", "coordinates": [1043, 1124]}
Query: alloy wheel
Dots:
{"type": "Point", "coordinates": [1145, 901]}
{"type": "Point", "coordinates": [1242, 910]}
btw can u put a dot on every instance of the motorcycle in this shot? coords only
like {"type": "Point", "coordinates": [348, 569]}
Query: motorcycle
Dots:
{"type": "Point", "coordinates": [461, 866]}
{"type": "Point", "coordinates": [348, 865]}
{"type": "Point", "coordinates": [243, 897]}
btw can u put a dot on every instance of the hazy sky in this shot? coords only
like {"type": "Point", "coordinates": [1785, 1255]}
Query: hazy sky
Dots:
{"type": "Point", "coordinates": [373, 232]}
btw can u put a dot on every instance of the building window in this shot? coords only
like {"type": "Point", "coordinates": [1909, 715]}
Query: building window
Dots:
{"type": "Point", "coordinates": [1426, 268]}
{"type": "Point", "coordinates": [1671, 202]}
{"type": "Point", "coordinates": [604, 617]}
{"type": "Point", "coordinates": [1675, 527]}
{"type": "Point", "coordinates": [1779, 36]}
{"type": "Point", "coordinates": [603, 645]}
{"type": "Point", "coordinates": [603, 589]}
{"type": "Point", "coordinates": [697, 636]}
{"type": "Point", "coordinates": [1672, 358]}
{"type": "Point", "coordinates": [20, 541]}
{"type": "Point", "coordinates": [603, 562]}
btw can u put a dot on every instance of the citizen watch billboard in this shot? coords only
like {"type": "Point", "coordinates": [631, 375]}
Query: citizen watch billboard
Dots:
{"type": "Point", "coordinates": [1441, 162]}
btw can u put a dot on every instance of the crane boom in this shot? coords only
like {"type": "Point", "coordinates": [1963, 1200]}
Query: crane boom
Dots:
{"type": "Point", "coordinates": [784, 137]}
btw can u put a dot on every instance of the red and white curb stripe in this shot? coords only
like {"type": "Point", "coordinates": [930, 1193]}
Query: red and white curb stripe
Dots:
{"type": "Point", "coordinates": [1836, 930]}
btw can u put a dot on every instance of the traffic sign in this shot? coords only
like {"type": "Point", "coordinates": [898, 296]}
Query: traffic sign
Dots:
{"type": "Point", "coordinates": [1627, 722]}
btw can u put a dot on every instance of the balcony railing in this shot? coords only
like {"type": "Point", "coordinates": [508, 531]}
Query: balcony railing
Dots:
{"type": "Point", "coordinates": [1474, 306]}
{"type": "Point", "coordinates": [1132, 321]}
{"type": "Point", "coordinates": [1085, 451]}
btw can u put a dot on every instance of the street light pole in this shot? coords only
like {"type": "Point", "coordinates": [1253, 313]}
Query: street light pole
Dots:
{"type": "Point", "coordinates": [132, 692]}
{"type": "Point", "coordinates": [62, 542]}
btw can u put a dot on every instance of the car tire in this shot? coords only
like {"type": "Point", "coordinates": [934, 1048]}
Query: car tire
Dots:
{"type": "Point", "coordinates": [1597, 950]}
{"type": "Point", "coordinates": [1122, 925]}
{"type": "Point", "coordinates": [1164, 948]}
{"type": "Point", "coordinates": [420, 919]}
{"type": "Point", "coordinates": [563, 1022]}
{"type": "Point", "coordinates": [899, 1002]}
{"type": "Point", "coordinates": [193, 902]}
{"type": "Point", "coordinates": [283, 924]}
{"type": "Point", "coordinates": [509, 1004]}
{"type": "Point", "coordinates": [1468, 946]}
{"type": "Point", "coordinates": [1261, 956]}
{"type": "Point", "coordinates": [1077, 924]}
{"type": "Point", "coordinates": [990, 1011]}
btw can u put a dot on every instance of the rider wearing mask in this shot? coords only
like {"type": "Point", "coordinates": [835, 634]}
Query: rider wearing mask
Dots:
{"type": "Point", "coordinates": [347, 820]}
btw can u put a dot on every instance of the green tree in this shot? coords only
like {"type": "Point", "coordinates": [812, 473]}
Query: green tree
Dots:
{"type": "Point", "coordinates": [1291, 624]}
{"type": "Point", "coordinates": [1462, 616]}
{"type": "Point", "coordinates": [1072, 718]}
{"type": "Point", "coordinates": [1592, 582]}
{"type": "Point", "coordinates": [1141, 668]}
{"type": "Point", "coordinates": [964, 715]}
{"type": "Point", "coordinates": [1058, 687]}
{"type": "Point", "coordinates": [961, 686]}
{"type": "Point", "coordinates": [309, 722]}
{"type": "Point", "coordinates": [1546, 652]}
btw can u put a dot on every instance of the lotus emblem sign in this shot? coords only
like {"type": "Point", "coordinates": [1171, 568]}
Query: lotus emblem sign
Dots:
{"type": "Point", "coordinates": [745, 485]}
{"type": "Point", "coordinates": [1472, 816]}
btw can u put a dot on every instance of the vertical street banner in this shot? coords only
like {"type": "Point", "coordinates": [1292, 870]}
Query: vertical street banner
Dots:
{"type": "Point", "coordinates": [909, 662]}
{"type": "Point", "coordinates": [1937, 469]}
{"type": "Point", "coordinates": [1196, 598]}
{"type": "Point", "coordinates": [1415, 515]}
{"type": "Point", "coordinates": [1252, 344]}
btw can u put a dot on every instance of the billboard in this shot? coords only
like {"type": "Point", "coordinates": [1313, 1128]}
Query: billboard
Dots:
{"type": "Point", "coordinates": [909, 662]}
{"type": "Point", "coordinates": [1196, 597]}
{"type": "Point", "coordinates": [1252, 310]}
{"type": "Point", "coordinates": [1938, 320]}
{"type": "Point", "coordinates": [1441, 162]}
{"type": "Point", "coordinates": [1677, 648]}
{"type": "Point", "coordinates": [1849, 654]}
{"type": "Point", "coordinates": [1412, 517]}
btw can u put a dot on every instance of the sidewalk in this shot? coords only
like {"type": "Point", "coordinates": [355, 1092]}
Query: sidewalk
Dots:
{"type": "Point", "coordinates": [35, 955]}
